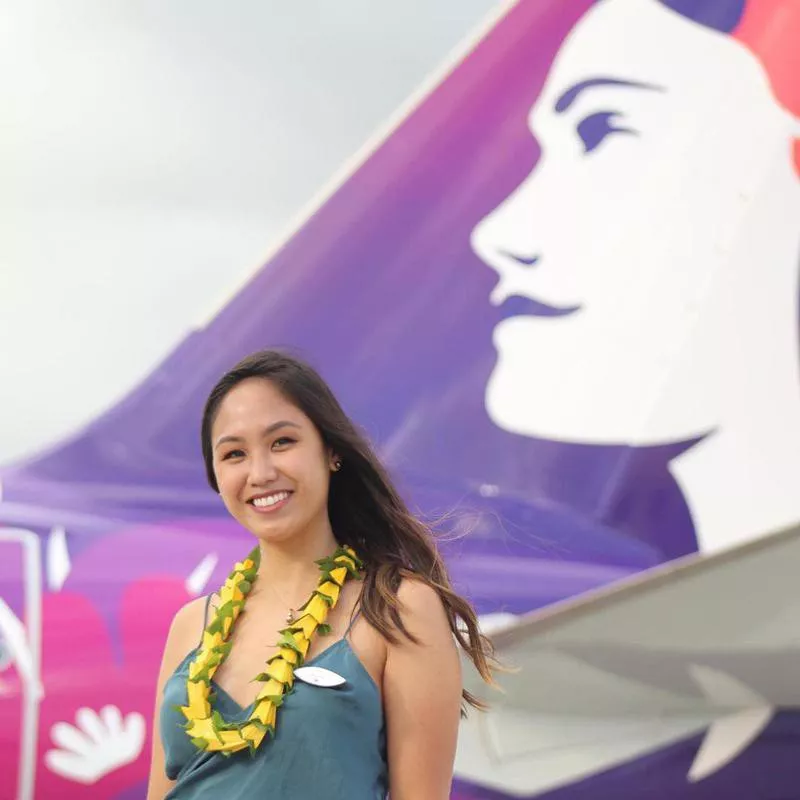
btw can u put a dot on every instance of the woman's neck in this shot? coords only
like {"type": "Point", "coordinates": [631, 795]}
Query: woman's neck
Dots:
{"type": "Point", "coordinates": [289, 565]}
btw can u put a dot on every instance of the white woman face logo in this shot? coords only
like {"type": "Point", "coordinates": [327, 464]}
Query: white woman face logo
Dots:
{"type": "Point", "coordinates": [658, 231]}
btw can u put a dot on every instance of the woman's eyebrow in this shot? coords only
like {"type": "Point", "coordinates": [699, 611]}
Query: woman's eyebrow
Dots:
{"type": "Point", "coordinates": [571, 94]}
{"type": "Point", "coordinates": [284, 423]}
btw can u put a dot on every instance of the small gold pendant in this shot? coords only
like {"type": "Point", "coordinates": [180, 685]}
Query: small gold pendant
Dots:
{"type": "Point", "coordinates": [290, 616]}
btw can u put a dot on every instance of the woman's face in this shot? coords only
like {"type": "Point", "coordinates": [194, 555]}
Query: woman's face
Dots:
{"type": "Point", "coordinates": [272, 468]}
{"type": "Point", "coordinates": [657, 138]}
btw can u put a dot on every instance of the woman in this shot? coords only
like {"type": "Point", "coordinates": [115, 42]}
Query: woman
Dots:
{"type": "Point", "coordinates": [292, 469]}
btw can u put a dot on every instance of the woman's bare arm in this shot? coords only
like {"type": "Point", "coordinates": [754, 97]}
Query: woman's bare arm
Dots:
{"type": "Point", "coordinates": [422, 699]}
{"type": "Point", "coordinates": [182, 637]}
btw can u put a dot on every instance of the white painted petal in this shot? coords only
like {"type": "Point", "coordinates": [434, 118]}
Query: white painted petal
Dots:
{"type": "Point", "coordinates": [68, 737]}
{"type": "Point", "coordinates": [78, 768]}
{"type": "Point", "coordinates": [112, 719]}
{"type": "Point", "coordinates": [91, 724]}
{"type": "Point", "coordinates": [201, 574]}
{"type": "Point", "coordinates": [58, 563]}
{"type": "Point", "coordinates": [134, 733]}
{"type": "Point", "coordinates": [14, 637]}
{"type": "Point", "coordinates": [99, 745]}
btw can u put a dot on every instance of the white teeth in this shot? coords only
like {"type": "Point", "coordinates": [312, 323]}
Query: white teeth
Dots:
{"type": "Point", "coordinates": [264, 502]}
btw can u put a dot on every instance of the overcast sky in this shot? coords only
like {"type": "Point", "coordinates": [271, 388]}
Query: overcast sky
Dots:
{"type": "Point", "coordinates": [152, 151]}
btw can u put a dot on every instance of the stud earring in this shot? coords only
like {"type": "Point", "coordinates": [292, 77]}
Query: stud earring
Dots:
{"type": "Point", "coordinates": [337, 464]}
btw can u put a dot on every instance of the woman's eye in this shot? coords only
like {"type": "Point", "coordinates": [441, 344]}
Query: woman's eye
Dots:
{"type": "Point", "coordinates": [233, 454]}
{"type": "Point", "coordinates": [595, 128]}
{"type": "Point", "coordinates": [284, 440]}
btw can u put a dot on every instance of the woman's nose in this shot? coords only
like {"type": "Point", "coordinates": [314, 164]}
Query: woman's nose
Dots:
{"type": "Point", "coordinates": [262, 469]}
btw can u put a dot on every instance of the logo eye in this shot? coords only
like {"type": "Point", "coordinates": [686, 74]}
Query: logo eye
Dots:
{"type": "Point", "coordinates": [595, 128]}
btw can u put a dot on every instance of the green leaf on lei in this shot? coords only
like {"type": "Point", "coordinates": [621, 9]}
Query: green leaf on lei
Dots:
{"type": "Point", "coordinates": [287, 640]}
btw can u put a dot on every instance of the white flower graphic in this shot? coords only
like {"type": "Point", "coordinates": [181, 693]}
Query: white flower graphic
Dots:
{"type": "Point", "coordinates": [96, 745]}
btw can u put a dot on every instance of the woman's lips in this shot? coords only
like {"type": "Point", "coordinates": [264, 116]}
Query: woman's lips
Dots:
{"type": "Point", "coordinates": [272, 508]}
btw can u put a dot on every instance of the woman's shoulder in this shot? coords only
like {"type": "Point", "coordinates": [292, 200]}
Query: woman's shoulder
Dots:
{"type": "Point", "coordinates": [422, 609]}
{"type": "Point", "coordinates": [192, 614]}
{"type": "Point", "coordinates": [187, 626]}
{"type": "Point", "coordinates": [415, 592]}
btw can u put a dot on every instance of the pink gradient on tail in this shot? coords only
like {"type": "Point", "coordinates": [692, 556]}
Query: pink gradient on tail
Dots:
{"type": "Point", "coordinates": [771, 30]}
{"type": "Point", "coordinates": [79, 670]}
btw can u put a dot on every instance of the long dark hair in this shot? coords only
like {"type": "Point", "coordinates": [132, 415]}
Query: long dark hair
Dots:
{"type": "Point", "coordinates": [365, 509]}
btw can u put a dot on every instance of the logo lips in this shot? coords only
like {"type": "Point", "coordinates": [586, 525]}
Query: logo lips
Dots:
{"type": "Point", "coordinates": [519, 306]}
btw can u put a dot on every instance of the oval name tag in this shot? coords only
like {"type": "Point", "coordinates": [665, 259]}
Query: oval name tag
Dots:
{"type": "Point", "coordinates": [317, 676]}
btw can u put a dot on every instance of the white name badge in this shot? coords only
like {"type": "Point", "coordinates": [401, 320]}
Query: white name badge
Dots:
{"type": "Point", "coordinates": [317, 676]}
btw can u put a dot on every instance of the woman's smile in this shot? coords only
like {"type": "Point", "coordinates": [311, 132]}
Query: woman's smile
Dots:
{"type": "Point", "coordinates": [270, 502]}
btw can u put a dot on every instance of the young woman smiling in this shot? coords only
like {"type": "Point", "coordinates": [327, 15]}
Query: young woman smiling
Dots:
{"type": "Point", "coordinates": [266, 706]}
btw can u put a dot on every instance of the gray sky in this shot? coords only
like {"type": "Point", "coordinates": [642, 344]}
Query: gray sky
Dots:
{"type": "Point", "coordinates": [151, 154]}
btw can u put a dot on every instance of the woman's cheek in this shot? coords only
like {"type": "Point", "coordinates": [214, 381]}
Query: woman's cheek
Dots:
{"type": "Point", "coordinates": [228, 480]}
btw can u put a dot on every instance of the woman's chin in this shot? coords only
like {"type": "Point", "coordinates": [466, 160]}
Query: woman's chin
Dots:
{"type": "Point", "coordinates": [267, 530]}
{"type": "Point", "coordinates": [279, 533]}
{"type": "Point", "coordinates": [271, 536]}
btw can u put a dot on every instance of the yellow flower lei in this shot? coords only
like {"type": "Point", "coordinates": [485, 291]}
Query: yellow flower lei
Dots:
{"type": "Point", "coordinates": [205, 726]}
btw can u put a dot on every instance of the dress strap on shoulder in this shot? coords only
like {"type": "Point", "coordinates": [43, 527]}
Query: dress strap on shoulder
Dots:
{"type": "Point", "coordinates": [205, 618]}
{"type": "Point", "coordinates": [353, 619]}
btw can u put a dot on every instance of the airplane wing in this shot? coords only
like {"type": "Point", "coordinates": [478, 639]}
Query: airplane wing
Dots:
{"type": "Point", "coordinates": [702, 645]}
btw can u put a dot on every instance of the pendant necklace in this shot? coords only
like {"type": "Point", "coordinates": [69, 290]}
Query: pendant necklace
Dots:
{"type": "Point", "coordinates": [292, 615]}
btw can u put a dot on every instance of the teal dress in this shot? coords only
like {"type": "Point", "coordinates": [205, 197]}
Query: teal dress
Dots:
{"type": "Point", "coordinates": [329, 742]}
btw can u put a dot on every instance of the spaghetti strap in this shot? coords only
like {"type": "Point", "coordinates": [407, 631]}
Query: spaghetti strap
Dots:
{"type": "Point", "coordinates": [352, 622]}
{"type": "Point", "coordinates": [205, 618]}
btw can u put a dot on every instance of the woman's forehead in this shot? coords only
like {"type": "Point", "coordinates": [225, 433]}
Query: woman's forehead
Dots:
{"type": "Point", "coordinates": [256, 402]}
